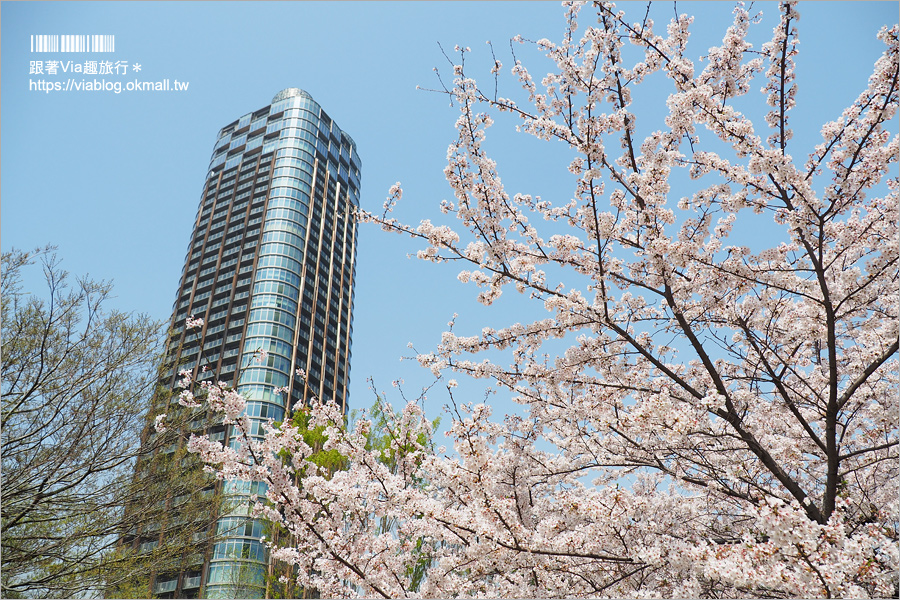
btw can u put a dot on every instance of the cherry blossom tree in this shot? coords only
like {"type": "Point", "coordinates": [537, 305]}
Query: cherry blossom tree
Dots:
{"type": "Point", "coordinates": [722, 420]}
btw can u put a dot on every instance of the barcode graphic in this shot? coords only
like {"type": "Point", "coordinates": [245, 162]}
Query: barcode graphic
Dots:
{"type": "Point", "coordinates": [73, 43]}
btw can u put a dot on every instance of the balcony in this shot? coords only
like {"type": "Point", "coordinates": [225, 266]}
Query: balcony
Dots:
{"type": "Point", "coordinates": [169, 585]}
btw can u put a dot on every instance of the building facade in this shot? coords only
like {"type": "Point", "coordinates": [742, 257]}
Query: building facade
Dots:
{"type": "Point", "coordinates": [270, 268]}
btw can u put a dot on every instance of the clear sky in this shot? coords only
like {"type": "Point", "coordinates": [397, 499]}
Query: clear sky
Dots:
{"type": "Point", "coordinates": [114, 179]}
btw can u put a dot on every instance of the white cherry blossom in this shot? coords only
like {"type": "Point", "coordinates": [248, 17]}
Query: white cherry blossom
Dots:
{"type": "Point", "coordinates": [721, 420]}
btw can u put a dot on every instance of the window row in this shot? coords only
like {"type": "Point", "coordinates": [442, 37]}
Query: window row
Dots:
{"type": "Point", "coordinates": [290, 192]}
{"type": "Point", "coordinates": [284, 237]}
{"type": "Point", "coordinates": [233, 575]}
{"type": "Point", "coordinates": [257, 375]}
{"type": "Point", "coordinates": [262, 401]}
{"type": "Point", "coordinates": [273, 330]}
{"type": "Point", "coordinates": [275, 274]}
{"type": "Point", "coordinates": [273, 315]}
{"type": "Point", "coordinates": [296, 149]}
{"type": "Point", "coordinates": [274, 301]}
{"type": "Point", "coordinates": [286, 213]}
{"type": "Point", "coordinates": [271, 287]}
{"type": "Point", "coordinates": [281, 262]}
{"type": "Point", "coordinates": [251, 345]}
{"type": "Point", "coordinates": [293, 172]}
{"type": "Point", "coordinates": [300, 205]}
{"type": "Point", "coordinates": [278, 249]}
{"type": "Point", "coordinates": [272, 361]}
{"type": "Point", "coordinates": [291, 182]}
{"type": "Point", "coordinates": [285, 225]}
{"type": "Point", "coordinates": [301, 161]}
{"type": "Point", "coordinates": [239, 549]}
{"type": "Point", "coordinates": [240, 526]}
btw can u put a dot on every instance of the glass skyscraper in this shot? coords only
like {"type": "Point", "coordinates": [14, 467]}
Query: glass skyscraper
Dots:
{"type": "Point", "coordinates": [270, 268]}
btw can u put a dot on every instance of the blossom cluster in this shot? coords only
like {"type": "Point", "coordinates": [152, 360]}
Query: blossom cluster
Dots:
{"type": "Point", "coordinates": [721, 418]}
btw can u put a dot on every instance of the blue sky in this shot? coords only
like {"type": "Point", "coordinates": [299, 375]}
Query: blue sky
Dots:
{"type": "Point", "coordinates": [114, 179]}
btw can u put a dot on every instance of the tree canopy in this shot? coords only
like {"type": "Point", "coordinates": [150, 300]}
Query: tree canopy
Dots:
{"type": "Point", "coordinates": [77, 383]}
{"type": "Point", "coordinates": [723, 419]}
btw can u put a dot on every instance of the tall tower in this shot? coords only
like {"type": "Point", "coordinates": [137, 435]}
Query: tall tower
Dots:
{"type": "Point", "coordinates": [270, 267]}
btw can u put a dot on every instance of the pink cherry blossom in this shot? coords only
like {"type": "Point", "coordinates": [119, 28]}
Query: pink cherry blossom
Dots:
{"type": "Point", "coordinates": [704, 413]}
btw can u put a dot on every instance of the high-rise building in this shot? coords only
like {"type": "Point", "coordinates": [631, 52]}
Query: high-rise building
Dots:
{"type": "Point", "coordinates": [270, 267]}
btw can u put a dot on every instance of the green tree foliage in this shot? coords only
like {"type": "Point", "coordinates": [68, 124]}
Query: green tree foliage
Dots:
{"type": "Point", "coordinates": [76, 383]}
{"type": "Point", "coordinates": [381, 437]}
